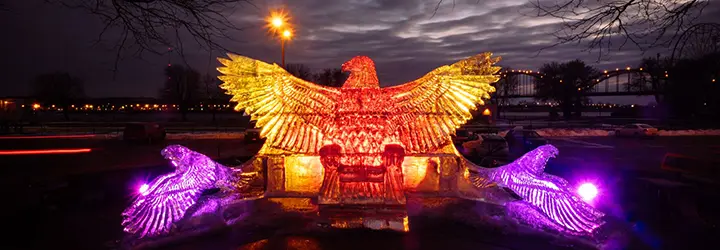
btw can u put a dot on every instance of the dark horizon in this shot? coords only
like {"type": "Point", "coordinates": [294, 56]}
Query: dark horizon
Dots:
{"type": "Point", "coordinates": [405, 40]}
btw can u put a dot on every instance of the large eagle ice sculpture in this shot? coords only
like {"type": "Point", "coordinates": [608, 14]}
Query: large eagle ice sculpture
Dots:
{"type": "Point", "coordinates": [297, 116]}
{"type": "Point", "coordinates": [360, 119]}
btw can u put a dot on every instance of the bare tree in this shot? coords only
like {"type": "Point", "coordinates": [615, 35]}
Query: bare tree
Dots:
{"type": "Point", "coordinates": [154, 25]}
{"type": "Point", "coordinates": [332, 77]}
{"type": "Point", "coordinates": [655, 71]}
{"type": "Point", "coordinates": [644, 23]}
{"type": "Point", "coordinates": [213, 95]}
{"type": "Point", "coordinates": [182, 87]}
{"type": "Point", "coordinates": [60, 89]}
{"type": "Point", "coordinates": [506, 85]}
{"type": "Point", "coordinates": [566, 83]}
{"type": "Point", "coordinates": [300, 71]}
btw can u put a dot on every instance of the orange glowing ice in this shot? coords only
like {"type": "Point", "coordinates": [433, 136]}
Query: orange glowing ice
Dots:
{"type": "Point", "coordinates": [299, 117]}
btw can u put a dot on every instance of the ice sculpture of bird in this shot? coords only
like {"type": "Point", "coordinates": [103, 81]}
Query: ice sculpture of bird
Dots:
{"type": "Point", "coordinates": [297, 116]}
{"type": "Point", "coordinates": [549, 194]}
{"type": "Point", "coordinates": [300, 117]}
{"type": "Point", "coordinates": [168, 197]}
{"type": "Point", "coordinates": [363, 125]}
{"type": "Point", "coordinates": [369, 128]}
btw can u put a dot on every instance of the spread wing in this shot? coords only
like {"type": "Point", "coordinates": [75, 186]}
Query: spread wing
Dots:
{"type": "Point", "coordinates": [293, 113]}
{"type": "Point", "coordinates": [431, 108]}
{"type": "Point", "coordinates": [168, 197]}
{"type": "Point", "coordinates": [549, 194]}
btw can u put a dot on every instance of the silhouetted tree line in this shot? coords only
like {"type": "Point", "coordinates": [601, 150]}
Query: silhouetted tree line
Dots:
{"type": "Point", "coordinates": [566, 83]}
{"type": "Point", "coordinates": [183, 86]}
{"type": "Point", "coordinates": [686, 88]}
{"type": "Point", "coordinates": [693, 86]}
{"type": "Point", "coordinates": [331, 77]}
{"type": "Point", "coordinates": [504, 87]}
{"type": "Point", "coordinates": [59, 88]}
{"type": "Point", "coordinates": [187, 87]}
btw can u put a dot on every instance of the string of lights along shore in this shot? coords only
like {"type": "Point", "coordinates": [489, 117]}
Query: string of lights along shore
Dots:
{"type": "Point", "coordinates": [605, 73]}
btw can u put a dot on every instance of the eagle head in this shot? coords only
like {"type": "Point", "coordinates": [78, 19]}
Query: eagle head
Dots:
{"type": "Point", "coordinates": [358, 63]}
{"type": "Point", "coordinates": [177, 155]}
{"type": "Point", "coordinates": [362, 73]}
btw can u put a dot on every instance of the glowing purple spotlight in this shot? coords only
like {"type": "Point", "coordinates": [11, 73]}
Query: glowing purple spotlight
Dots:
{"type": "Point", "coordinates": [143, 189]}
{"type": "Point", "coordinates": [587, 191]}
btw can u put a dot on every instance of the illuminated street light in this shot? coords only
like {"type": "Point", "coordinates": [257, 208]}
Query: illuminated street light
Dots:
{"type": "Point", "coordinates": [287, 34]}
{"type": "Point", "coordinates": [278, 24]}
{"type": "Point", "coordinates": [277, 20]}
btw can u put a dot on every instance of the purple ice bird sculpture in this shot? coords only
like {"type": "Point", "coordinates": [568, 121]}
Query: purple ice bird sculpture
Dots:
{"type": "Point", "coordinates": [168, 197]}
{"type": "Point", "coordinates": [548, 194]}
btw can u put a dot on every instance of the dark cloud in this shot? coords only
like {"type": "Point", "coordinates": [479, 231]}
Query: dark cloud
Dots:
{"type": "Point", "coordinates": [404, 38]}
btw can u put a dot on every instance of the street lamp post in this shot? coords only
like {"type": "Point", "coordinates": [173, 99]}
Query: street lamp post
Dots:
{"type": "Point", "coordinates": [278, 25]}
{"type": "Point", "coordinates": [282, 51]}
{"type": "Point", "coordinates": [285, 36]}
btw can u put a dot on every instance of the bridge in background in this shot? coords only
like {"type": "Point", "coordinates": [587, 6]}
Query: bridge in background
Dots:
{"type": "Point", "coordinates": [618, 82]}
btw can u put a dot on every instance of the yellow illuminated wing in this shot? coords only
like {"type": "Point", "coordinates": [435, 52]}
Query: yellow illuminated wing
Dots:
{"type": "Point", "coordinates": [292, 112]}
{"type": "Point", "coordinates": [430, 109]}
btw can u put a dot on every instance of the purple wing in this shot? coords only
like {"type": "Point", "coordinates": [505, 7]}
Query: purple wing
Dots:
{"type": "Point", "coordinates": [169, 196]}
{"type": "Point", "coordinates": [547, 193]}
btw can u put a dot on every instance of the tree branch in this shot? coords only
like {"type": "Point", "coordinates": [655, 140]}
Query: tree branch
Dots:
{"type": "Point", "coordinates": [154, 25]}
{"type": "Point", "coordinates": [643, 23]}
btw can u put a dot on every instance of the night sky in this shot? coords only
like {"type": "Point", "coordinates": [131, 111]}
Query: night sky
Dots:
{"type": "Point", "coordinates": [403, 38]}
